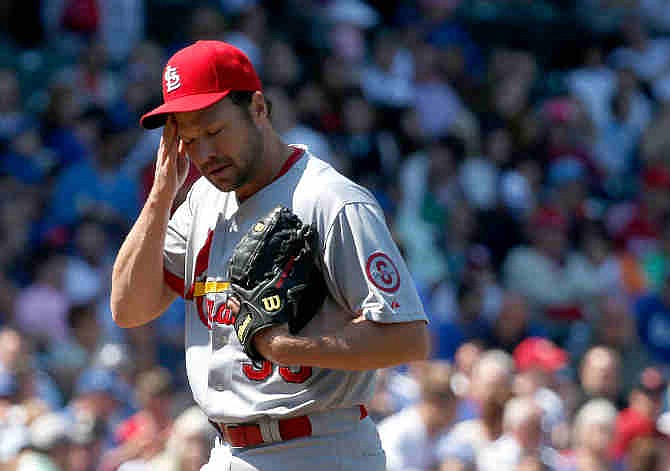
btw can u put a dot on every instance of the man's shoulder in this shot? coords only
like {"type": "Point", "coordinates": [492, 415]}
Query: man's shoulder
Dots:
{"type": "Point", "coordinates": [322, 192]}
{"type": "Point", "coordinates": [322, 180]}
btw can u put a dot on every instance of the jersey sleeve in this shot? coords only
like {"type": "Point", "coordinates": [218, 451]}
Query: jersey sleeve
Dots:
{"type": "Point", "coordinates": [174, 250]}
{"type": "Point", "coordinates": [364, 270]}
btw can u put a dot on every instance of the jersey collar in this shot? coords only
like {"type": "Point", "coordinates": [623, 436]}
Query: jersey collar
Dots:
{"type": "Point", "coordinates": [293, 158]}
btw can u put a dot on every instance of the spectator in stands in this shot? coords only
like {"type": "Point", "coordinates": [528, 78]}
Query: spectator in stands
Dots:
{"type": "Point", "coordinates": [537, 271]}
{"type": "Point", "coordinates": [522, 439]}
{"type": "Point", "coordinates": [653, 322]}
{"type": "Point", "coordinates": [648, 57]}
{"type": "Point", "coordinates": [617, 140]}
{"type": "Point", "coordinates": [646, 454]}
{"type": "Point", "coordinates": [363, 143]}
{"type": "Point", "coordinates": [539, 362]}
{"type": "Point", "coordinates": [512, 73]}
{"type": "Point", "coordinates": [438, 106]}
{"type": "Point", "coordinates": [637, 225]}
{"type": "Point", "coordinates": [465, 359]}
{"type": "Point", "coordinates": [20, 208]}
{"type": "Point", "coordinates": [91, 78]}
{"type": "Point", "coordinates": [249, 32]}
{"type": "Point", "coordinates": [12, 117]}
{"type": "Point", "coordinates": [143, 437]}
{"type": "Point", "coordinates": [88, 264]}
{"type": "Point", "coordinates": [282, 66]}
{"type": "Point", "coordinates": [87, 437]}
{"type": "Point", "coordinates": [410, 437]}
{"type": "Point", "coordinates": [100, 185]}
{"type": "Point", "coordinates": [392, 66]}
{"type": "Point", "coordinates": [97, 396]}
{"type": "Point", "coordinates": [58, 125]}
{"type": "Point", "coordinates": [654, 143]}
{"type": "Point", "coordinates": [644, 406]}
{"type": "Point", "coordinates": [593, 84]}
{"type": "Point", "coordinates": [490, 388]}
{"type": "Point", "coordinates": [189, 442]}
{"type": "Point", "coordinates": [593, 434]}
{"type": "Point", "coordinates": [595, 268]}
{"type": "Point", "coordinates": [614, 328]}
{"type": "Point", "coordinates": [430, 186]}
{"type": "Point", "coordinates": [467, 324]}
{"type": "Point", "coordinates": [41, 309]}
{"type": "Point", "coordinates": [479, 174]}
{"type": "Point", "coordinates": [284, 116]}
{"type": "Point", "coordinates": [600, 376]}
{"type": "Point", "coordinates": [34, 388]}
{"type": "Point", "coordinates": [656, 262]}
{"type": "Point", "coordinates": [67, 359]}
{"type": "Point", "coordinates": [49, 444]}
{"type": "Point", "coordinates": [26, 159]}
{"type": "Point", "coordinates": [513, 323]}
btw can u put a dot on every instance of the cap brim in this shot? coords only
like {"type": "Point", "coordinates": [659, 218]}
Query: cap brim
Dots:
{"type": "Point", "coordinates": [157, 117]}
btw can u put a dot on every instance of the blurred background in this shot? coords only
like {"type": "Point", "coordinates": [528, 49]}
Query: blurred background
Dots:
{"type": "Point", "coordinates": [520, 150]}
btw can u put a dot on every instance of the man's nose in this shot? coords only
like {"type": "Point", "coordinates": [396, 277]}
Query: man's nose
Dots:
{"type": "Point", "coordinates": [203, 152]}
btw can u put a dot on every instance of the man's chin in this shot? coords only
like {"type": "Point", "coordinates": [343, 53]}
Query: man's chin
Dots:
{"type": "Point", "coordinates": [223, 185]}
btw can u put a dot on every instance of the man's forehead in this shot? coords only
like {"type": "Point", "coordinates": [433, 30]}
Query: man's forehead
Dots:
{"type": "Point", "coordinates": [192, 120]}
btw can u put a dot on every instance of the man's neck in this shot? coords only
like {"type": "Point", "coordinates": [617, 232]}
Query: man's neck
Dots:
{"type": "Point", "coordinates": [275, 153]}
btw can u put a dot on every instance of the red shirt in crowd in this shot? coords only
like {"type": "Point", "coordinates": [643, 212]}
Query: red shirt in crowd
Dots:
{"type": "Point", "coordinates": [631, 424]}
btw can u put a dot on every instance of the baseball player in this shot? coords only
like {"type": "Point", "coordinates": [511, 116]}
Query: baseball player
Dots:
{"type": "Point", "coordinates": [303, 407]}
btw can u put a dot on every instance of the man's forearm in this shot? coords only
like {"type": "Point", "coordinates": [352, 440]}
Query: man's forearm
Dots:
{"type": "Point", "coordinates": [138, 290]}
{"type": "Point", "coordinates": [360, 345]}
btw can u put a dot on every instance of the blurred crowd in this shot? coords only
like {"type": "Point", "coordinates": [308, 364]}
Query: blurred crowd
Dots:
{"type": "Point", "coordinates": [519, 149]}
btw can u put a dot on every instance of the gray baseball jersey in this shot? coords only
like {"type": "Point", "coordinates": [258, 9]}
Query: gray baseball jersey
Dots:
{"type": "Point", "coordinates": [363, 268]}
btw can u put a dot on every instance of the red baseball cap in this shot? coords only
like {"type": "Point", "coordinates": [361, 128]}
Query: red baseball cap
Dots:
{"type": "Point", "coordinates": [198, 76]}
{"type": "Point", "coordinates": [539, 353]}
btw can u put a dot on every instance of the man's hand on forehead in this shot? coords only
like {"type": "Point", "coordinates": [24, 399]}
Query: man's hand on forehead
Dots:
{"type": "Point", "coordinates": [172, 163]}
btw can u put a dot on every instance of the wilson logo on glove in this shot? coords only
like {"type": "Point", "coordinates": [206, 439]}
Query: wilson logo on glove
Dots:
{"type": "Point", "coordinates": [243, 327]}
{"type": "Point", "coordinates": [274, 276]}
{"type": "Point", "coordinates": [272, 303]}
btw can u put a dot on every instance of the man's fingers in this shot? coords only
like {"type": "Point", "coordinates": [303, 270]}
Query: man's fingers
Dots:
{"type": "Point", "coordinates": [169, 137]}
{"type": "Point", "coordinates": [233, 304]}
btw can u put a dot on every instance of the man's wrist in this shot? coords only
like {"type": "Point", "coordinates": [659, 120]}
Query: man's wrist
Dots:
{"type": "Point", "coordinates": [161, 197]}
{"type": "Point", "coordinates": [271, 342]}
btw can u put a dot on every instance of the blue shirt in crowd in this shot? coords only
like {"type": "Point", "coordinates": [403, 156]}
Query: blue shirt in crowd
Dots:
{"type": "Point", "coordinates": [653, 325]}
{"type": "Point", "coordinates": [80, 188]}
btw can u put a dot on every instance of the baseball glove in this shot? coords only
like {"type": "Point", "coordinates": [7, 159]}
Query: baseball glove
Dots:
{"type": "Point", "coordinates": [274, 276]}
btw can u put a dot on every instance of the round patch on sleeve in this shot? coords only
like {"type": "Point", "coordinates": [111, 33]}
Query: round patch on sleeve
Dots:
{"type": "Point", "coordinates": [382, 272]}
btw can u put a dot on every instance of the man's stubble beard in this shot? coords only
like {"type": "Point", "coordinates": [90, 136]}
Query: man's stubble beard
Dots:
{"type": "Point", "coordinates": [252, 158]}
{"type": "Point", "coordinates": [250, 161]}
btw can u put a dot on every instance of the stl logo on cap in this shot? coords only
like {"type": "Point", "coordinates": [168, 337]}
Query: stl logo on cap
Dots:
{"type": "Point", "coordinates": [172, 79]}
